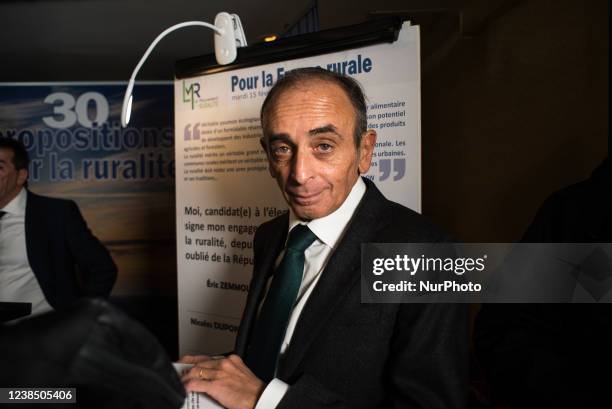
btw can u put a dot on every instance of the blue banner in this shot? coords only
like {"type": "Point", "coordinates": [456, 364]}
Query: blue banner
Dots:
{"type": "Point", "coordinates": [122, 179]}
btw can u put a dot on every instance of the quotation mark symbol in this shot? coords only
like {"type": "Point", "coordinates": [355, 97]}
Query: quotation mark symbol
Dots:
{"type": "Point", "coordinates": [188, 134]}
{"type": "Point", "coordinates": [399, 166]}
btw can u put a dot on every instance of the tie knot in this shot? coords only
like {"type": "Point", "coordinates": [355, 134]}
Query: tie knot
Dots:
{"type": "Point", "coordinates": [2, 213]}
{"type": "Point", "coordinates": [300, 238]}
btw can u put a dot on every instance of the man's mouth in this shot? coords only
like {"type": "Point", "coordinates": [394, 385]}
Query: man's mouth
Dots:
{"type": "Point", "coordinates": [303, 198]}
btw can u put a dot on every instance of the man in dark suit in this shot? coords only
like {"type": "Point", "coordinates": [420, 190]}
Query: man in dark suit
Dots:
{"type": "Point", "coordinates": [306, 340]}
{"type": "Point", "coordinates": [48, 256]}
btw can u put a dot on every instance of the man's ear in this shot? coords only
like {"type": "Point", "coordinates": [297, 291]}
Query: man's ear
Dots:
{"type": "Point", "coordinates": [366, 148]}
{"type": "Point", "coordinates": [22, 176]}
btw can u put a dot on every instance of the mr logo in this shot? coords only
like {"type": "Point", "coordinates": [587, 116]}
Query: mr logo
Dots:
{"type": "Point", "coordinates": [190, 93]}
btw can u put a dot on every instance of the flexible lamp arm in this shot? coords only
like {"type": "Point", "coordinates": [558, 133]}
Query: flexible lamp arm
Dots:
{"type": "Point", "coordinates": [228, 35]}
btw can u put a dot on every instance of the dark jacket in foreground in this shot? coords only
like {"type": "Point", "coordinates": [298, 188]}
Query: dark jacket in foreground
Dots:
{"type": "Point", "coordinates": [345, 354]}
{"type": "Point", "coordinates": [111, 360]}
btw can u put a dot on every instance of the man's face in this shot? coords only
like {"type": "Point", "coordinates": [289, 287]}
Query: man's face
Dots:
{"type": "Point", "coordinates": [309, 138]}
{"type": "Point", "coordinates": [11, 179]}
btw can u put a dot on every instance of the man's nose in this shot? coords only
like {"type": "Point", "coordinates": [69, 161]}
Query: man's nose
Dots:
{"type": "Point", "coordinates": [303, 166]}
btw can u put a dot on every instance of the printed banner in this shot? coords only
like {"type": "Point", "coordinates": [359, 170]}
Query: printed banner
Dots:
{"type": "Point", "coordinates": [122, 179]}
{"type": "Point", "coordinates": [224, 189]}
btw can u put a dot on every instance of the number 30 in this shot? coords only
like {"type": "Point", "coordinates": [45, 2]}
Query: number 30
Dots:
{"type": "Point", "coordinates": [71, 111]}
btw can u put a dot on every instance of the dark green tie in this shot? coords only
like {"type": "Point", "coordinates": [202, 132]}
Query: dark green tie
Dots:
{"type": "Point", "coordinates": [274, 314]}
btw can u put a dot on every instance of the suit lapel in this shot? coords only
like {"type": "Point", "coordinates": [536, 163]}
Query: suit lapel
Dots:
{"type": "Point", "coordinates": [274, 242]}
{"type": "Point", "coordinates": [340, 275]}
{"type": "Point", "coordinates": [34, 238]}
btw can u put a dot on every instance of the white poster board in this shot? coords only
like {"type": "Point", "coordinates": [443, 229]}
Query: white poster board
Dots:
{"type": "Point", "coordinates": [223, 187]}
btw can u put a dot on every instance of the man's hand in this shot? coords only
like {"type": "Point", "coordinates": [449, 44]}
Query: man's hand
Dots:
{"type": "Point", "coordinates": [194, 359]}
{"type": "Point", "coordinates": [227, 380]}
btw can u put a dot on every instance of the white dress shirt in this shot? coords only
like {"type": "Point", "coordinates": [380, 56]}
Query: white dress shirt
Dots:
{"type": "Point", "coordinates": [329, 230]}
{"type": "Point", "coordinates": [17, 280]}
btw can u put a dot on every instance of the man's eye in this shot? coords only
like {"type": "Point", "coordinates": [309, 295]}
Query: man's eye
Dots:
{"type": "Point", "coordinates": [324, 147]}
{"type": "Point", "coordinates": [281, 150]}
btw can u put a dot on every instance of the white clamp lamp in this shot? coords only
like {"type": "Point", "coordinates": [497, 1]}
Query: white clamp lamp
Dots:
{"type": "Point", "coordinates": [229, 35]}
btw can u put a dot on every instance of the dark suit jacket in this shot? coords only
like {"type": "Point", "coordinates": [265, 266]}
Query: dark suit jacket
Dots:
{"type": "Point", "coordinates": [67, 259]}
{"type": "Point", "coordinates": [347, 354]}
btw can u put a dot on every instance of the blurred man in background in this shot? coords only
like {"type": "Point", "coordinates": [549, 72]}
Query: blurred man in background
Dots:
{"type": "Point", "coordinates": [48, 256]}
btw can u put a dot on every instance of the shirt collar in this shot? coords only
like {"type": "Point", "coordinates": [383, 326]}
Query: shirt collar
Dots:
{"type": "Point", "coordinates": [18, 204]}
{"type": "Point", "coordinates": [328, 229]}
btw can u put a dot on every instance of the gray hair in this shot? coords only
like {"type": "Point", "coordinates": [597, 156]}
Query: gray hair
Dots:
{"type": "Point", "coordinates": [299, 76]}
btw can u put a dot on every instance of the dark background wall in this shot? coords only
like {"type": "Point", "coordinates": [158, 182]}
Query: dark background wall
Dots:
{"type": "Point", "coordinates": [515, 108]}
{"type": "Point", "coordinates": [73, 40]}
